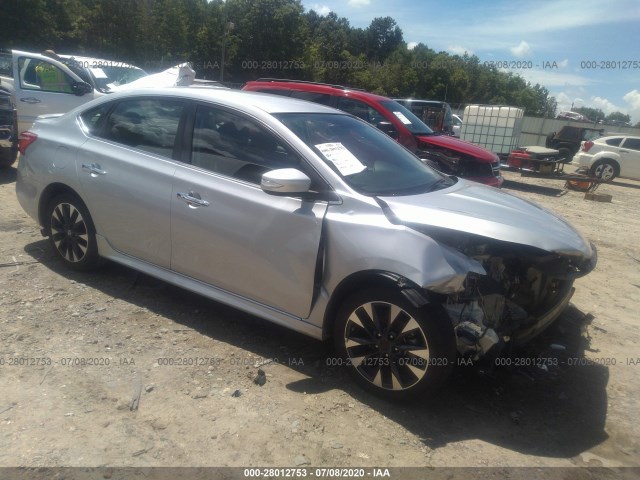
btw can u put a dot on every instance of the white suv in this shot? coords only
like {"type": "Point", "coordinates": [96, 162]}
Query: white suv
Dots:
{"type": "Point", "coordinates": [610, 157]}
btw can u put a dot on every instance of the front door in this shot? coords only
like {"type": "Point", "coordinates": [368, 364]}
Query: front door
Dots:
{"type": "Point", "coordinates": [226, 231]}
{"type": "Point", "coordinates": [43, 86]}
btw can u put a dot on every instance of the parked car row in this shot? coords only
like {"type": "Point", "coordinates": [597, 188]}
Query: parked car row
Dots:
{"type": "Point", "coordinates": [309, 217]}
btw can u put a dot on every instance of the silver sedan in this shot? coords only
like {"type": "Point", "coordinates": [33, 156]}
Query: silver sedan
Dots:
{"type": "Point", "coordinates": [307, 217]}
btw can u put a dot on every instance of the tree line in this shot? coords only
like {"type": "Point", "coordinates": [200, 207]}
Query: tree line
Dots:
{"type": "Point", "coordinates": [263, 38]}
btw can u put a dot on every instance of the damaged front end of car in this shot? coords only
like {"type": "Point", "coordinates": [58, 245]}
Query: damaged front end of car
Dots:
{"type": "Point", "coordinates": [523, 274]}
{"type": "Point", "coordinates": [523, 291]}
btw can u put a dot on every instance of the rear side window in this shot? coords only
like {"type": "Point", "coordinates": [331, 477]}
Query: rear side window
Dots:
{"type": "Point", "coordinates": [632, 143]}
{"type": "Point", "coordinates": [275, 91]}
{"type": "Point", "coordinates": [360, 109]}
{"type": "Point", "coordinates": [146, 124]}
{"type": "Point", "coordinates": [614, 142]}
{"type": "Point", "coordinates": [321, 98]}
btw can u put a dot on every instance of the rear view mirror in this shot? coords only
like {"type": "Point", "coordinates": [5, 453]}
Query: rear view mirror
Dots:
{"type": "Point", "coordinates": [285, 181]}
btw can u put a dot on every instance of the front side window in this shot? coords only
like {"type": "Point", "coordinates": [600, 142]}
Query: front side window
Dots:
{"type": "Point", "coordinates": [146, 124]}
{"type": "Point", "coordinates": [367, 160]}
{"type": "Point", "coordinates": [43, 76]}
{"type": "Point", "coordinates": [235, 146]}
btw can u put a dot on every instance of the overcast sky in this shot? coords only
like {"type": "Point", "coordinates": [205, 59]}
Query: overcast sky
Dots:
{"type": "Point", "coordinates": [568, 37]}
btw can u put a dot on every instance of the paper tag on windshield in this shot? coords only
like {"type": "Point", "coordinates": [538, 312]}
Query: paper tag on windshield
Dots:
{"type": "Point", "coordinates": [402, 118]}
{"type": "Point", "coordinates": [98, 73]}
{"type": "Point", "coordinates": [341, 157]}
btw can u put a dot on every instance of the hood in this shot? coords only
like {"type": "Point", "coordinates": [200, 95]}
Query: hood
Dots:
{"type": "Point", "coordinates": [473, 208]}
{"type": "Point", "coordinates": [446, 141]}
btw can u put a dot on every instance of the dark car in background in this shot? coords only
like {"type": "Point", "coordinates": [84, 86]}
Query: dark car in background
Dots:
{"type": "Point", "coordinates": [8, 130]}
{"type": "Point", "coordinates": [443, 152]}
{"type": "Point", "coordinates": [569, 139]}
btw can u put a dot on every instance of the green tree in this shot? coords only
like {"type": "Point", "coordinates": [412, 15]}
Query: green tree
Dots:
{"type": "Point", "coordinates": [383, 37]}
{"type": "Point", "coordinates": [593, 114]}
{"type": "Point", "coordinates": [618, 118]}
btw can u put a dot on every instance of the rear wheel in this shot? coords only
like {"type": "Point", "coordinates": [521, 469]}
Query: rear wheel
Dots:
{"type": "Point", "coordinates": [71, 232]}
{"type": "Point", "coordinates": [391, 347]}
{"type": "Point", "coordinates": [565, 153]}
{"type": "Point", "coordinates": [605, 170]}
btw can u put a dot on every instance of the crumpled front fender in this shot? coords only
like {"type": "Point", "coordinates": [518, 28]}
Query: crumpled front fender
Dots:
{"type": "Point", "coordinates": [368, 243]}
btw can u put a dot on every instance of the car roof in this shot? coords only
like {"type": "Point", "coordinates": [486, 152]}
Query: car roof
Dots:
{"type": "Point", "coordinates": [617, 135]}
{"type": "Point", "coordinates": [337, 90]}
{"type": "Point", "coordinates": [233, 98]}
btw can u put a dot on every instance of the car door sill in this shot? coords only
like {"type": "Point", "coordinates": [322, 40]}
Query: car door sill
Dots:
{"type": "Point", "coordinates": [241, 303]}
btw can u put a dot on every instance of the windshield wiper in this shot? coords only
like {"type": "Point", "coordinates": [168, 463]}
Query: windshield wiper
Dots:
{"type": "Point", "coordinates": [441, 184]}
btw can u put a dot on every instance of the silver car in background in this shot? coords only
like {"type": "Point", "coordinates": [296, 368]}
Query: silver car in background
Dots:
{"type": "Point", "coordinates": [307, 217]}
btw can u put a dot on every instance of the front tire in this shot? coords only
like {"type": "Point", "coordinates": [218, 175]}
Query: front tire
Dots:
{"type": "Point", "coordinates": [71, 232]}
{"type": "Point", "coordinates": [391, 347]}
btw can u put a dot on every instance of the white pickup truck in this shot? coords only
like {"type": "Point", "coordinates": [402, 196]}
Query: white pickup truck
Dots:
{"type": "Point", "coordinates": [43, 85]}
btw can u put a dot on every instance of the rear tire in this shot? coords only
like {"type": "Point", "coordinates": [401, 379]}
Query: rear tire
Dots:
{"type": "Point", "coordinates": [391, 347]}
{"type": "Point", "coordinates": [565, 153]}
{"type": "Point", "coordinates": [71, 232]}
{"type": "Point", "coordinates": [605, 170]}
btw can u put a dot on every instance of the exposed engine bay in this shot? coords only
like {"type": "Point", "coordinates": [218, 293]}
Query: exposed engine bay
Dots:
{"type": "Point", "coordinates": [524, 291]}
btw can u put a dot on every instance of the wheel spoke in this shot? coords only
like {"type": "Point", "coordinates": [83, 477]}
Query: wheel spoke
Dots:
{"type": "Point", "coordinates": [381, 316]}
{"type": "Point", "coordinates": [400, 320]}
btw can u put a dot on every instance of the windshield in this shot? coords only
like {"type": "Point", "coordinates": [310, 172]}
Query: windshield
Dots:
{"type": "Point", "coordinates": [408, 119]}
{"type": "Point", "coordinates": [106, 77]}
{"type": "Point", "coordinates": [368, 160]}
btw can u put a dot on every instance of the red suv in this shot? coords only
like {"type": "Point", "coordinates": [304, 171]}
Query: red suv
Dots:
{"type": "Point", "coordinates": [445, 153]}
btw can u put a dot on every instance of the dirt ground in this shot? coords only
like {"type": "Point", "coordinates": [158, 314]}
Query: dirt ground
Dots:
{"type": "Point", "coordinates": [77, 350]}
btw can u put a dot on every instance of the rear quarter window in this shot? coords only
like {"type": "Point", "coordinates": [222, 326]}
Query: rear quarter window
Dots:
{"type": "Point", "coordinates": [614, 142]}
{"type": "Point", "coordinates": [91, 119]}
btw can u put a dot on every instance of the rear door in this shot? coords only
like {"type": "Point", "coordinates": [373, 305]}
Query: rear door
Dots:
{"type": "Point", "coordinates": [126, 170]}
{"type": "Point", "coordinates": [227, 232]}
{"type": "Point", "coordinates": [42, 86]}
{"type": "Point", "coordinates": [630, 157]}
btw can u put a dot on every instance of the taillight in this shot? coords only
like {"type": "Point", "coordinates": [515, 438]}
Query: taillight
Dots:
{"type": "Point", "coordinates": [587, 145]}
{"type": "Point", "coordinates": [24, 140]}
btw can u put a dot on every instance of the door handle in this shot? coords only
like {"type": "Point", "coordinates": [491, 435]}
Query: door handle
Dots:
{"type": "Point", "coordinates": [192, 199]}
{"type": "Point", "coordinates": [93, 169]}
{"type": "Point", "coordinates": [30, 100]}
{"type": "Point", "coordinates": [624, 151]}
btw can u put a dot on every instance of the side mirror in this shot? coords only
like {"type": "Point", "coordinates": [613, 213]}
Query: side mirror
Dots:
{"type": "Point", "coordinates": [285, 181]}
{"type": "Point", "coordinates": [81, 88]}
{"type": "Point", "coordinates": [388, 128]}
